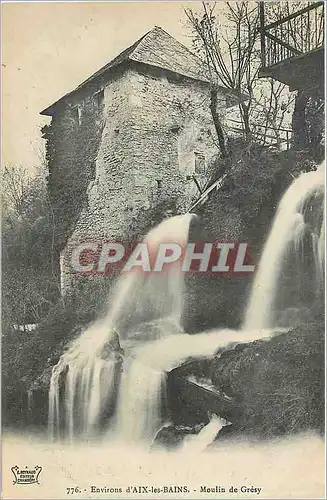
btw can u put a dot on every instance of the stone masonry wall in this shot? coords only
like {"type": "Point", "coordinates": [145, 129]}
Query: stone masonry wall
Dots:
{"type": "Point", "coordinates": [153, 123]}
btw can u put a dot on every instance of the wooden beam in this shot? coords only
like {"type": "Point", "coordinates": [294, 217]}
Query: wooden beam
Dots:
{"type": "Point", "coordinates": [294, 15]}
{"type": "Point", "coordinates": [197, 183]}
{"type": "Point", "coordinates": [262, 33]}
{"type": "Point", "coordinates": [284, 44]}
{"type": "Point", "coordinates": [217, 184]}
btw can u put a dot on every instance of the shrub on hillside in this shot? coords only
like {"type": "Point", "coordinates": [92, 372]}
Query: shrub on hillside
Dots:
{"type": "Point", "coordinates": [278, 385]}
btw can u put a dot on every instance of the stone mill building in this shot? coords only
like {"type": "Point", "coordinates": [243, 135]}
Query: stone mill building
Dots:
{"type": "Point", "coordinates": [135, 137]}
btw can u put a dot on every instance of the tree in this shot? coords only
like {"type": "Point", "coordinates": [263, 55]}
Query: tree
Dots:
{"type": "Point", "coordinates": [228, 42]}
{"type": "Point", "coordinates": [303, 33]}
{"type": "Point", "coordinates": [29, 273]}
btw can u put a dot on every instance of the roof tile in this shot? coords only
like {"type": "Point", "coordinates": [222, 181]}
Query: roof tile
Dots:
{"type": "Point", "coordinates": [155, 48]}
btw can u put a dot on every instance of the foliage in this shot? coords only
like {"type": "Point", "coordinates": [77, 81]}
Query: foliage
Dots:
{"type": "Point", "coordinates": [71, 150]}
{"type": "Point", "coordinates": [30, 277]}
{"type": "Point", "coordinates": [28, 356]}
{"type": "Point", "coordinates": [241, 210]}
{"type": "Point", "coordinates": [30, 281]}
{"type": "Point", "coordinates": [256, 179]}
{"type": "Point", "coordinates": [36, 227]}
{"type": "Point", "coordinates": [227, 38]}
{"type": "Point", "coordinates": [308, 123]}
{"type": "Point", "coordinates": [276, 387]}
{"type": "Point", "coordinates": [279, 385]}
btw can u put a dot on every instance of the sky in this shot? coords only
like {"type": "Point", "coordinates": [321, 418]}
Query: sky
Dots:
{"type": "Point", "coordinates": [49, 48]}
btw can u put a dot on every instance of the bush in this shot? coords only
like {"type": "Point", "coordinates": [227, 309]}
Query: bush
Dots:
{"type": "Point", "coordinates": [26, 356]}
{"type": "Point", "coordinates": [278, 385]}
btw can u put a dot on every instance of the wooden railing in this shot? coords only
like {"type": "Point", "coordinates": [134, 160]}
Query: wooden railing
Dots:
{"type": "Point", "coordinates": [297, 33]}
{"type": "Point", "coordinates": [265, 135]}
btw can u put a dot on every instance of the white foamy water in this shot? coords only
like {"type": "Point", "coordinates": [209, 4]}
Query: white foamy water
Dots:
{"type": "Point", "coordinates": [88, 383]}
{"type": "Point", "coordinates": [146, 311]}
{"type": "Point", "coordinates": [83, 382]}
{"type": "Point", "coordinates": [199, 442]}
{"type": "Point", "coordinates": [139, 413]}
{"type": "Point", "coordinates": [288, 229]}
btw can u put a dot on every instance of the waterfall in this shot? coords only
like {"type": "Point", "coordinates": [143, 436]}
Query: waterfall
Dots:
{"type": "Point", "coordinates": [93, 386]}
{"type": "Point", "coordinates": [206, 436]}
{"type": "Point", "coordinates": [139, 413]}
{"type": "Point", "coordinates": [145, 306]}
{"type": "Point", "coordinates": [288, 229]}
{"type": "Point", "coordinates": [140, 404]}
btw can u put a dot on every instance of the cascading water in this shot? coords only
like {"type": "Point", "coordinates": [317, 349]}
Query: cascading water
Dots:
{"type": "Point", "coordinates": [84, 382]}
{"type": "Point", "coordinates": [206, 436]}
{"type": "Point", "coordinates": [288, 229]}
{"type": "Point", "coordinates": [146, 311]}
{"type": "Point", "coordinates": [139, 412]}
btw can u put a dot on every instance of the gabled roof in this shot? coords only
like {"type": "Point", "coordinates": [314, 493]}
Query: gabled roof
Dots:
{"type": "Point", "coordinates": [155, 48]}
{"type": "Point", "coordinates": [158, 49]}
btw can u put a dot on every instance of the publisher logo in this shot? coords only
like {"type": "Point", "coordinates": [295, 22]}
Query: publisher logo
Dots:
{"type": "Point", "coordinates": [27, 475]}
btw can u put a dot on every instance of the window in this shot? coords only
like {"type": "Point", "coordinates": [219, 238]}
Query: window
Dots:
{"type": "Point", "coordinates": [77, 114]}
{"type": "Point", "coordinates": [175, 129]}
{"type": "Point", "coordinates": [159, 183]}
{"type": "Point", "coordinates": [99, 98]}
{"type": "Point", "coordinates": [199, 163]}
{"type": "Point", "coordinates": [139, 180]}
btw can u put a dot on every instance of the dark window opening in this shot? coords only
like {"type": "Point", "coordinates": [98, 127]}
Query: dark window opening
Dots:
{"type": "Point", "coordinates": [99, 98]}
{"type": "Point", "coordinates": [175, 129]}
{"type": "Point", "coordinates": [174, 77]}
{"type": "Point", "coordinates": [159, 183]}
{"type": "Point", "coordinates": [76, 114]}
{"type": "Point", "coordinates": [200, 163]}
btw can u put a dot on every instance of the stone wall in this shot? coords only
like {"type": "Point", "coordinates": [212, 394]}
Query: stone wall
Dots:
{"type": "Point", "coordinates": [155, 126]}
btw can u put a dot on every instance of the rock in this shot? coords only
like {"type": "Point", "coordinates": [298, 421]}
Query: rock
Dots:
{"type": "Point", "coordinates": [279, 384]}
{"type": "Point", "coordinates": [171, 436]}
{"type": "Point", "coordinates": [43, 381]}
{"type": "Point", "coordinates": [112, 346]}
